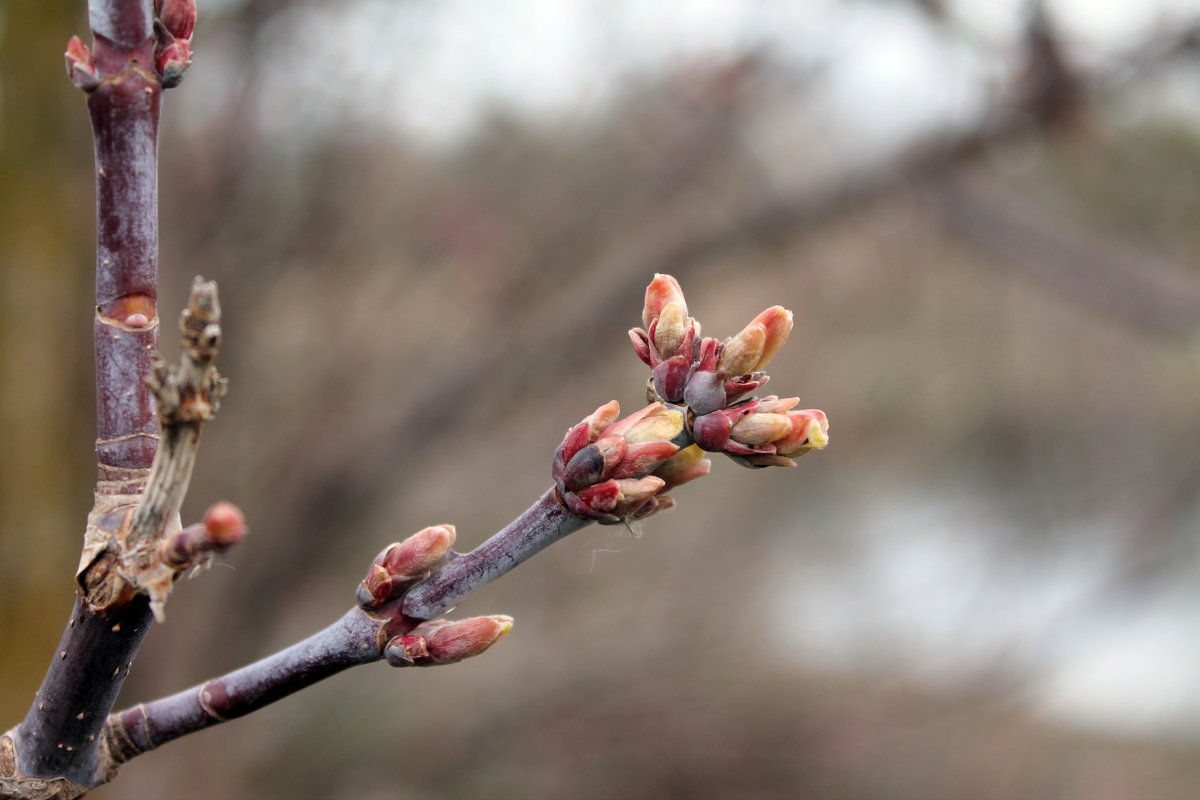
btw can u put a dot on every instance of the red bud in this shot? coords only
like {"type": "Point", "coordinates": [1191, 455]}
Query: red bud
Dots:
{"type": "Point", "coordinates": [171, 62]}
{"type": "Point", "coordinates": [178, 17]}
{"type": "Point", "coordinates": [225, 524]}
{"type": "Point", "coordinates": [80, 68]}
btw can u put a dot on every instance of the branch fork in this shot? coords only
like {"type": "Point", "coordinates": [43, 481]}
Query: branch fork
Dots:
{"type": "Point", "coordinates": [143, 548]}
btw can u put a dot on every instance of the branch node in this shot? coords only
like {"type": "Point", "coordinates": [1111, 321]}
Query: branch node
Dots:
{"type": "Point", "coordinates": [140, 546]}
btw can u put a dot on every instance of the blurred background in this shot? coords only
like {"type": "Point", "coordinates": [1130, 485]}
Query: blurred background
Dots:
{"type": "Point", "coordinates": [432, 224]}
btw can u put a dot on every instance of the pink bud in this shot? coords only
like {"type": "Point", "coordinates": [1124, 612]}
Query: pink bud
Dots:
{"type": "Point", "coordinates": [737, 388]}
{"type": "Point", "coordinates": [658, 423]}
{"type": "Point", "coordinates": [225, 524]}
{"type": "Point", "coordinates": [809, 431]}
{"type": "Point", "coordinates": [669, 329]}
{"type": "Point", "coordinates": [634, 493]}
{"type": "Point", "coordinates": [416, 554]}
{"type": "Point", "coordinates": [444, 642]}
{"type": "Point", "coordinates": [710, 349]}
{"type": "Point", "coordinates": [641, 458]}
{"type": "Point", "coordinates": [582, 434]}
{"type": "Point", "coordinates": [686, 465]}
{"type": "Point", "coordinates": [741, 353]}
{"type": "Point", "coordinates": [670, 378]}
{"type": "Point", "coordinates": [452, 643]}
{"type": "Point", "coordinates": [705, 392]}
{"type": "Point", "coordinates": [777, 323]}
{"type": "Point", "coordinates": [598, 499]}
{"type": "Point", "coordinates": [641, 345]}
{"type": "Point", "coordinates": [711, 431]}
{"type": "Point", "coordinates": [593, 463]}
{"type": "Point", "coordinates": [409, 650]}
{"type": "Point", "coordinates": [404, 564]}
{"type": "Point", "coordinates": [775, 405]}
{"type": "Point", "coordinates": [172, 61]}
{"type": "Point", "coordinates": [622, 426]}
{"type": "Point", "coordinates": [80, 67]}
{"type": "Point", "coordinates": [662, 290]}
{"type": "Point", "coordinates": [178, 17]}
{"type": "Point", "coordinates": [756, 429]}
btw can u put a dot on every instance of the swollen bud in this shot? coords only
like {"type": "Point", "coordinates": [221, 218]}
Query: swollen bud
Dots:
{"type": "Point", "coordinates": [172, 61]}
{"type": "Point", "coordinates": [177, 16]}
{"type": "Point", "coordinates": [225, 524]}
{"type": "Point", "coordinates": [669, 330]}
{"type": "Point", "coordinates": [403, 565]}
{"type": "Point", "coordinates": [444, 642]}
{"type": "Point", "coordinates": [686, 465]}
{"type": "Point", "coordinates": [662, 290]}
{"type": "Point", "coordinates": [80, 68]}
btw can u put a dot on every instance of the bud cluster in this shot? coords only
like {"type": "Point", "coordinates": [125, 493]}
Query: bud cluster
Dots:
{"type": "Point", "coordinates": [762, 432]}
{"type": "Point", "coordinates": [713, 379]}
{"type": "Point", "coordinates": [174, 21]}
{"type": "Point", "coordinates": [612, 470]}
{"type": "Point", "coordinates": [395, 571]}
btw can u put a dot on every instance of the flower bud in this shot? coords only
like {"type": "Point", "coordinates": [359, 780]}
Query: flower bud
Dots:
{"type": "Point", "coordinates": [443, 642]}
{"type": "Point", "coordinates": [641, 343]}
{"type": "Point", "coordinates": [711, 431]}
{"type": "Point", "coordinates": [737, 388]}
{"type": "Point", "coordinates": [642, 457]}
{"type": "Point", "coordinates": [588, 431]}
{"type": "Point", "coordinates": [658, 423]}
{"type": "Point", "coordinates": [756, 429]}
{"type": "Point", "coordinates": [671, 377]}
{"type": "Point", "coordinates": [178, 17]}
{"type": "Point", "coordinates": [224, 524]}
{"type": "Point", "coordinates": [777, 323]}
{"type": "Point", "coordinates": [404, 564]}
{"type": "Point", "coordinates": [668, 330]}
{"type": "Point", "coordinates": [705, 392]}
{"type": "Point", "coordinates": [171, 62]}
{"type": "Point", "coordinates": [741, 353]}
{"type": "Point", "coordinates": [634, 493]}
{"type": "Point", "coordinates": [194, 546]}
{"type": "Point", "coordinates": [809, 431]}
{"type": "Point", "coordinates": [80, 67]}
{"type": "Point", "coordinates": [662, 290]}
{"type": "Point", "coordinates": [686, 465]}
{"type": "Point", "coordinates": [593, 463]}
{"type": "Point", "coordinates": [595, 502]}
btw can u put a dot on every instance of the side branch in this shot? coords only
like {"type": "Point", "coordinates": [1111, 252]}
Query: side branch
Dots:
{"type": "Point", "coordinates": [363, 635]}
{"type": "Point", "coordinates": [354, 639]}
{"type": "Point", "coordinates": [122, 551]}
{"type": "Point", "coordinates": [538, 527]}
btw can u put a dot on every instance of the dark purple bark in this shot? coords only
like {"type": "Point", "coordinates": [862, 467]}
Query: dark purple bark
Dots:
{"type": "Point", "coordinates": [538, 527]}
{"type": "Point", "coordinates": [61, 733]}
{"type": "Point", "coordinates": [359, 637]}
{"type": "Point", "coordinates": [354, 639]}
{"type": "Point", "coordinates": [125, 110]}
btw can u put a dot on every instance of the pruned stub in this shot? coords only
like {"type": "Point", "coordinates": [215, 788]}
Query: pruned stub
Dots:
{"type": "Point", "coordinates": [98, 575]}
{"type": "Point", "coordinates": [104, 541]}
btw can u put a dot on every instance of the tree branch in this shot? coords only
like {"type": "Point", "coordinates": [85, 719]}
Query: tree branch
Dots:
{"type": "Point", "coordinates": [605, 470]}
{"type": "Point", "coordinates": [56, 750]}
